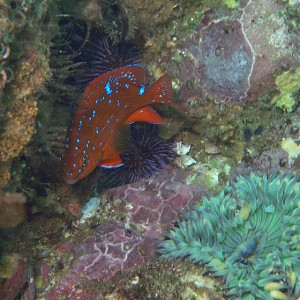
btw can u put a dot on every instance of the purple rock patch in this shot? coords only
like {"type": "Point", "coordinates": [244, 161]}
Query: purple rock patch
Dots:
{"type": "Point", "coordinates": [152, 207]}
{"type": "Point", "coordinates": [219, 60]}
{"type": "Point", "coordinates": [114, 248]}
{"type": "Point", "coordinates": [156, 202]}
{"type": "Point", "coordinates": [224, 61]}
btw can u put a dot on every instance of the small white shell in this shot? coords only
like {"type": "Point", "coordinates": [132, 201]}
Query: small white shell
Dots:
{"type": "Point", "coordinates": [90, 209]}
{"type": "Point", "coordinates": [187, 160]}
{"type": "Point", "coordinates": [182, 149]}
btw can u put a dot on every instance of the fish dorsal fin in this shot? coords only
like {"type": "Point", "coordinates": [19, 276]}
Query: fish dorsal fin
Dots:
{"type": "Point", "coordinates": [116, 145]}
{"type": "Point", "coordinates": [145, 114]}
{"type": "Point", "coordinates": [112, 80]}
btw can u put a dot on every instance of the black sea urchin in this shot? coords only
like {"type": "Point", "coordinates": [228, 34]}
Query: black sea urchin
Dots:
{"type": "Point", "coordinates": [249, 235]}
{"type": "Point", "coordinates": [147, 154]}
{"type": "Point", "coordinates": [100, 55]}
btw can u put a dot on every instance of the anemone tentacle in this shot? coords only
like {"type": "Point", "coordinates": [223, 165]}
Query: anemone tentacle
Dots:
{"type": "Point", "coordinates": [249, 234]}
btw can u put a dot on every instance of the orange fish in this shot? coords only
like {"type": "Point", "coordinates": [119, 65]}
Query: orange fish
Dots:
{"type": "Point", "coordinates": [110, 101]}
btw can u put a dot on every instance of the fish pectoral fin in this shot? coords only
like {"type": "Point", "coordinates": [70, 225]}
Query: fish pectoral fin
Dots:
{"type": "Point", "coordinates": [145, 114]}
{"type": "Point", "coordinates": [120, 140]}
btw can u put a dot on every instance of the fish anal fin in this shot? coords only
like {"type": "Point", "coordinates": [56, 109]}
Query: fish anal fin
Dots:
{"type": "Point", "coordinates": [145, 114]}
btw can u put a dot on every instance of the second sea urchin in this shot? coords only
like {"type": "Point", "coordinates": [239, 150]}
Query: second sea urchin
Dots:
{"type": "Point", "coordinates": [147, 154]}
{"type": "Point", "coordinates": [249, 235]}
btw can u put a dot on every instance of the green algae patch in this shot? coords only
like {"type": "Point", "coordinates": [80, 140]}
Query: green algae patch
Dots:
{"type": "Point", "coordinates": [288, 83]}
{"type": "Point", "coordinates": [232, 4]}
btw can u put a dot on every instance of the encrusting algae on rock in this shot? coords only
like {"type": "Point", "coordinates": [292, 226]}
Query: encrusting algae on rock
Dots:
{"type": "Point", "coordinates": [13, 209]}
{"type": "Point", "coordinates": [19, 129]}
{"type": "Point", "coordinates": [288, 83]}
{"type": "Point", "coordinates": [20, 124]}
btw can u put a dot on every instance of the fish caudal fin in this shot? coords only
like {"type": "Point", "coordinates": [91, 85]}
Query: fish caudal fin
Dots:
{"type": "Point", "coordinates": [163, 88]}
{"type": "Point", "coordinates": [162, 92]}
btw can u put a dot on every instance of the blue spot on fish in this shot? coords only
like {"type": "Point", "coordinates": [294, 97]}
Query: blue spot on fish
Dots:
{"type": "Point", "coordinates": [108, 89]}
{"type": "Point", "coordinates": [142, 90]}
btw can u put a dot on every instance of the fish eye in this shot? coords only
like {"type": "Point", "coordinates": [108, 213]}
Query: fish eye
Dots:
{"type": "Point", "coordinates": [84, 161]}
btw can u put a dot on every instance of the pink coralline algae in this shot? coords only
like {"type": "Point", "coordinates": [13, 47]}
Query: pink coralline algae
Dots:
{"type": "Point", "coordinates": [153, 206]}
{"type": "Point", "coordinates": [274, 43]}
{"type": "Point", "coordinates": [114, 248]}
{"type": "Point", "coordinates": [156, 202]}
{"type": "Point", "coordinates": [223, 60]}
{"type": "Point", "coordinates": [12, 286]}
{"type": "Point", "coordinates": [234, 56]}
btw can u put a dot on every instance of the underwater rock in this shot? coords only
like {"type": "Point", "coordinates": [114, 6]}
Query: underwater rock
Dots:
{"type": "Point", "coordinates": [12, 286]}
{"type": "Point", "coordinates": [19, 129]}
{"type": "Point", "coordinates": [155, 203]}
{"type": "Point", "coordinates": [233, 56]}
{"type": "Point", "coordinates": [223, 60]}
{"type": "Point", "coordinates": [21, 112]}
{"type": "Point", "coordinates": [118, 246]}
{"type": "Point", "coordinates": [114, 248]}
{"type": "Point", "coordinates": [13, 209]}
{"type": "Point", "coordinates": [273, 42]}
{"type": "Point", "coordinates": [216, 62]}
{"type": "Point", "coordinates": [269, 161]}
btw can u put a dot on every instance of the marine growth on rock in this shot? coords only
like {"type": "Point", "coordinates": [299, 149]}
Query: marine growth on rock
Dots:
{"type": "Point", "coordinates": [249, 235]}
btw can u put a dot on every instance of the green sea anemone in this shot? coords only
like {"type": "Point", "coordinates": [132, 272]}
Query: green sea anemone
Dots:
{"type": "Point", "coordinates": [249, 235]}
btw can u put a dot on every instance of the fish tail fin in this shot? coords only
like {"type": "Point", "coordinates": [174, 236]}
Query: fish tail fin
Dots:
{"type": "Point", "coordinates": [163, 93]}
{"type": "Point", "coordinates": [163, 88]}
